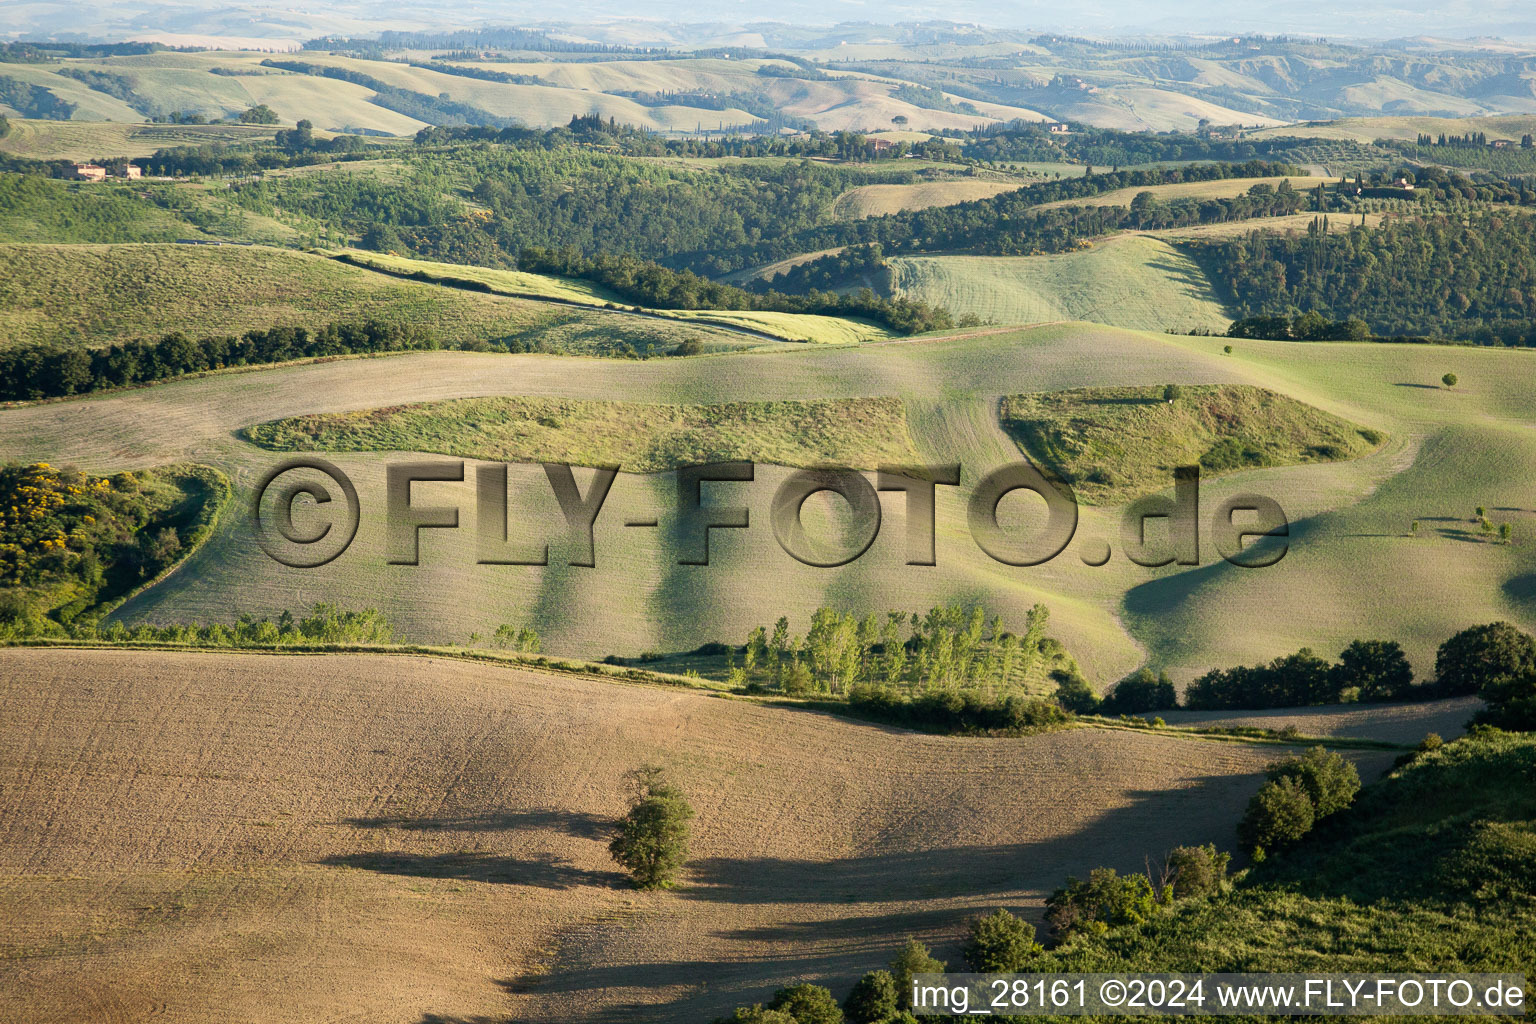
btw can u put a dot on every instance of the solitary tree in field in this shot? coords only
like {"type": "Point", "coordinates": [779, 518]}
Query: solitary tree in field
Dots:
{"type": "Point", "coordinates": [1506, 533]}
{"type": "Point", "coordinates": [1171, 392]}
{"type": "Point", "coordinates": [1449, 380]}
{"type": "Point", "coordinates": [652, 839]}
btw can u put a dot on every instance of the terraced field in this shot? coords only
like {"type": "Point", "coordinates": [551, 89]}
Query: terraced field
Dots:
{"type": "Point", "coordinates": [403, 840]}
{"type": "Point", "coordinates": [1353, 569]}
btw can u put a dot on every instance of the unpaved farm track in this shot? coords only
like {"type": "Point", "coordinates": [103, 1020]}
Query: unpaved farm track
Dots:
{"type": "Point", "coordinates": [222, 837]}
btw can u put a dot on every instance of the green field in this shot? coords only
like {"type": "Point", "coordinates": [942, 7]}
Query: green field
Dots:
{"type": "Point", "coordinates": [639, 437]}
{"type": "Point", "coordinates": [876, 200]}
{"type": "Point", "coordinates": [86, 140]}
{"type": "Point", "coordinates": [95, 294]}
{"type": "Point", "coordinates": [1354, 569]}
{"type": "Point", "coordinates": [1369, 129]}
{"type": "Point", "coordinates": [1113, 444]}
{"type": "Point", "coordinates": [805, 327]}
{"type": "Point", "coordinates": [1127, 281]}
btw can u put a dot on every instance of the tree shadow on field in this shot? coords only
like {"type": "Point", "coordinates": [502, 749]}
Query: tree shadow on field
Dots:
{"type": "Point", "coordinates": [583, 826]}
{"type": "Point", "coordinates": [793, 928]}
{"type": "Point", "coordinates": [543, 871]}
{"type": "Point", "coordinates": [1425, 387]}
{"type": "Point", "coordinates": [1521, 590]}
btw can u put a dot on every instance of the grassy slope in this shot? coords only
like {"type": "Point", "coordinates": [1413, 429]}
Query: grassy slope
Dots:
{"type": "Point", "coordinates": [1353, 571]}
{"type": "Point", "coordinates": [83, 140]}
{"type": "Point", "coordinates": [642, 437]}
{"type": "Point", "coordinates": [877, 200]}
{"type": "Point", "coordinates": [1113, 444]}
{"type": "Point", "coordinates": [787, 326]}
{"type": "Point", "coordinates": [183, 81]}
{"type": "Point", "coordinates": [96, 294]}
{"type": "Point", "coordinates": [1430, 870]}
{"type": "Point", "coordinates": [192, 832]}
{"type": "Point", "coordinates": [1369, 129]}
{"type": "Point", "coordinates": [1130, 281]}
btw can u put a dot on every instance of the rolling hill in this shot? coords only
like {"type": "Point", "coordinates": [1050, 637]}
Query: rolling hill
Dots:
{"type": "Point", "coordinates": [1353, 569]}
{"type": "Point", "coordinates": [92, 295]}
{"type": "Point", "coordinates": [412, 839]}
{"type": "Point", "coordinates": [1128, 281]}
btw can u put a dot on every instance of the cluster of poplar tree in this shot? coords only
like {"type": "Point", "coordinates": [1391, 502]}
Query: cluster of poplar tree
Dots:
{"type": "Point", "coordinates": [952, 648]}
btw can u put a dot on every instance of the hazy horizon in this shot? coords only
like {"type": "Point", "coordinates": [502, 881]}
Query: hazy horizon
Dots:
{"type": "Point", "coordinates": [676, 23]}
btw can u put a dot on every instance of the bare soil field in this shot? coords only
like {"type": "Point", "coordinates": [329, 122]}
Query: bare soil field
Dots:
{"type": "Point", "coordinates": [222, 837]}
{"type": "Point", "coordinates": [1392, 723]}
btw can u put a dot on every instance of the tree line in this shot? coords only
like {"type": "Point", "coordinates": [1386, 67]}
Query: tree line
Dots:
{"type": "Point", "coordinates": [951, 648]}
{"type": "Point", "coordinates": [48, 372]}
{"type": "Point", "coordinates": [1029, 142]}
{"type": "Point", "coordinates": [1011, 224]}
{"type": "Point", "coordinates": [420, 105]}
{"type": "Point", "coordinates": [650, 284]}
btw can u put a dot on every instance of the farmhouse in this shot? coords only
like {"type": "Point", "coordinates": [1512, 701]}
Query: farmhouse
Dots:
{"type": "Point", "coordinates": [96, 172]}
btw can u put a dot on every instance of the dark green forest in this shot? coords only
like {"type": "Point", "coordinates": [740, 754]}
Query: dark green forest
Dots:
{"type": "Point", "coordinates": [1470, 276]}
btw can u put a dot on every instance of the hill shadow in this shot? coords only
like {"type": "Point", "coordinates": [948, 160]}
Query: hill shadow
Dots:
{"type": "Point", "coordinates": [542, 871]}
{"type": "Point", "coordinates": [927, 894]}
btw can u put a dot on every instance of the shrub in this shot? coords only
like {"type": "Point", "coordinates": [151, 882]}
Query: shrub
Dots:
{"type": "Point", "coordinates": [1073, 692]}
{"type": "Point", "coordinates": [1377, 668]}
{"type": "Point", "coordinates": [1480, 659]}
{"type": "Point", "coordinates": [756, 1014]}
{"type": "Point", "coordinates": [873, 999]}
{"type": "Point", "coordinates": [1196, 871]}
{"type": "Point", "coordinates": [1511, 703]}
{"type": "Point", "coordinates": [1001, 944]}
{"type": "Point", "coordinates": [807, 1004]}
{"type": "Point", "coordinates": [526, 640]}
{"type": "Point", "coordinates": [1330, 781]}
{"type": "Point", "coordinates": [652, 839]}
{"type": "Point", "coordinates": [914, 958]}
{"type": "Point", "coordinates": [1449, 380]}
{"type": "Point", "coordinates": [1279, 813]}
{"type": "Point", "coordinates": [1141, 692]}
{"type": "Point", "coordinates": [1104, 900]}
